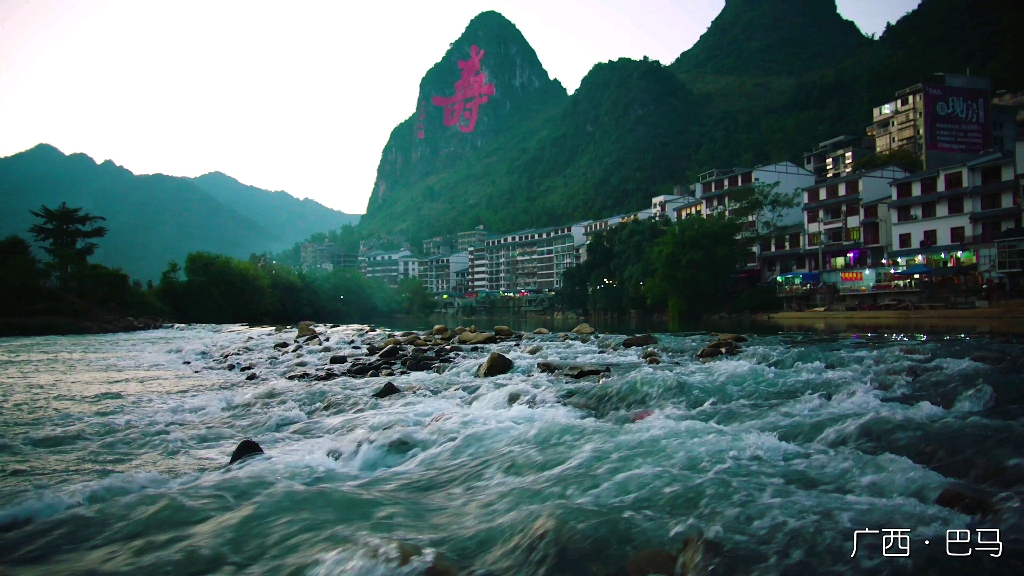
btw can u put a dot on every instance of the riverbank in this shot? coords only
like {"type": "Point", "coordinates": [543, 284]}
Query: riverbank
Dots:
{"type": "Point", "coordinates": [72, 325]}
{"type": "Point", "coordinates": [1004, 320]}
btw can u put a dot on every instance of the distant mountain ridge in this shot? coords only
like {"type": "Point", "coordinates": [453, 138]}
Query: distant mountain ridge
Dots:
{"type": "Point", "coordinates": [153, 219]}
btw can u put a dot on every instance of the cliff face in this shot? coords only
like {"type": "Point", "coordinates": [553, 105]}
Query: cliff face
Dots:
{"type": "Point", "coordinates": [510, 78]}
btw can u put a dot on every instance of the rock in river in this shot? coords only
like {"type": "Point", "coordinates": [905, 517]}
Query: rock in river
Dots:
{"type": "Point", "coordinates": [496, 364]}
{"type": "Point", "coordinates": [637, 341]}
{"type": "Point", "coordinates": [583, 328]}
{"type": "Point", "coordinates": [306, 329]}
{"type": "Point", "coordinates": [339, 359]}
{"type": "Point", "coordinates": [542, 331]}
{"type": "Point", "coordinates": [578, 372]}
{"type": "Point", "coordinates": [388, 389]}
{"type": "Point", "coordinates": [503, 331]}
{"type": "Point", "coordinates": [245, 449]}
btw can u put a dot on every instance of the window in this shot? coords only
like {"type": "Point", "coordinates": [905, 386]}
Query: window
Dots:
{"type": "Point", "coordinates": [720, 201]}
{"type": "Point", "coordinates": [955, 205]}
{"type": "Point", "coordinates": [813, 195]}
{"type": "Point", "coordinates": [871, 235]}
{"type": "Point", "coordinates": [834, 236]}
{"type": "Point", "coordinates": [833, 213]}
{"type": "Point", "coordinates": [957, 235]}
{"type": "Point", "coordinates": [746, 178]}
{"type": "Point", "coordinates": [853, 209]}
{"type": "Point", "coordinates": [871, 211]}
{"type": "Point", "coordinates": [954, 180]}
{"type": "Point", "coordinates": [765, 245]}
{"type": "Point", "coordinates": [812, 216]}
{"type": "Point", "coordinates": [991, 201]}
{"type": "Point", "coordinates": [794, 241]}
{"type": "Point", "coordinates": [734, 181]}
{"type": "Point", "coordinates": [928, 210]}
{"type": "Point", "coordinates": [813, 239]}
{"type": "Point", "coordinates": [853, 234]}
{"type": "Point", "coordinates": [903, 214]}
{"type": "Point", "coordinates": [904, 190]}
{"type": "Point", "coordinates": [719, 184]}
{"type": "Point", "coordinates": [931, 238]}
{"type": "Point", "coordinates": [991, 174]}
{"type": "Point", "coordinates": [990, 230]}
{"type": "Point", "coordinates": [706, 187]}
{"type": "Point", "coordinates": [905, 240]}
{"type": "Point", "coordinates": [832, 191]}
{"type": "Point", "coordinates": [929, 185]}
{"type": "Point", "coordinates": [852, 187]}
{"type": "Point", "coordinates": [780, 242]}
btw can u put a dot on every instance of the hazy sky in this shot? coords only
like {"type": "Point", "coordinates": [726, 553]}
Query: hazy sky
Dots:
{"type": "Point", "coordinates": [296, 96]}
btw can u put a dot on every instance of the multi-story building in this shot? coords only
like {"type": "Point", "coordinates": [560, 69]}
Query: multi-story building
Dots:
{"type": "Point", "coordinates": [944, 123]}
{"type": "Point", "coordinates": [723, 193]}
{"type": "Point", "coordinates": [390, 267]}
{"type": "Point", "coordinates": [443, 272]}
{"type": "Point", "coordinates": [467, 240]}
{"type": "Point", "coordinates": [437, 245]}
{"type": "Point", "coordinates": [952, 216]}
{"type": "Point", "coordinates": [832, 218]}
{"type": "Point", "coordinates": [327, 256]}
{"type": "Point", "coordinates": [476, 279]}
{"type": "Point", "coordinates": [782, 252]}
{"type": "Point", "coordinates": [835, 158]}
{"type": "Point", "coordinates": [533, 259]}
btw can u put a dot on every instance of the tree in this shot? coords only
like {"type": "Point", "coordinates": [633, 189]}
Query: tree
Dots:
{"type": "Point", "coordinates": [415, 298]}
{"type": "Point", "coordinates": [768, 207]}
{"type": "Point", "coordinates": [694, 264]}
{"type": "Point", "coordinates": [67, 231]}
{"type": "Point", "coordinates": [20, 276]}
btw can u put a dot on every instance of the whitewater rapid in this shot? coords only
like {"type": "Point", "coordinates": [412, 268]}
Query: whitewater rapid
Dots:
{"type": "Point", "coordinates": [114, 451]}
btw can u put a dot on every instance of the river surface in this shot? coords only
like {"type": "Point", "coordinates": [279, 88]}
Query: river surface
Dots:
{"type": "Point", "coordinates": [114, 451]}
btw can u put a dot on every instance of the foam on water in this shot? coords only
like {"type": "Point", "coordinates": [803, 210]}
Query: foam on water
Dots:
{"type": "Point", "coordinates": [115, 448]}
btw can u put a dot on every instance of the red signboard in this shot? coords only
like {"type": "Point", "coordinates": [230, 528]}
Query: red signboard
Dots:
{"type": "Point", "coordinates": [957, 119]}
{"type": "Point", "coordinates": [851, 276]}
{"type": "Point", "coordinates": [470, 93]}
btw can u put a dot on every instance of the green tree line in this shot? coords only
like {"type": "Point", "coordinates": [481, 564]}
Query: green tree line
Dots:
{"type": "Point", "coordinates": [209, 288]}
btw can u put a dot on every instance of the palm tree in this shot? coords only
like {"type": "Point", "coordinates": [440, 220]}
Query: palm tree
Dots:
{"type": "Point", "coordinates": [67, 231]}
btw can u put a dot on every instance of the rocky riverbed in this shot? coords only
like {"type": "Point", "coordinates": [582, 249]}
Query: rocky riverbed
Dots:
{"type": "Point", "coordinates": [472, 450]}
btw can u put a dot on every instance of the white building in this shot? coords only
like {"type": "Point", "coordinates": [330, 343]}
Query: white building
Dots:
{"type": "Point", "coordinates": [838, 213]}
{"type": "Point", "coordinates": [533, 259]}
{"type": "Point", "coordinates": [952, 216]}
{"type": "Point", "coordinates": [390, 267]}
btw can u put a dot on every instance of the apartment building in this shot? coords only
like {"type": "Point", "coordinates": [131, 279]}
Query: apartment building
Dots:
{"type": "Point", "coordinates": [835, 158]}
{"type": "Point", "coordinates": [723, 192]}
{"type": "Point", "coordinates": [533, 259]}
{"type": "Point", "coordinates": [952, 216]}
{"type": "Point", "coordinates": [391, 266]}
{"type": "Point", "coordinates": [782, 252]}
{"type": "Point", "coordinates": [833, 218]}
{"type": "Point", "coordinates": [444, 273]}
{"type": "Point", "coordinates": [327, 256]}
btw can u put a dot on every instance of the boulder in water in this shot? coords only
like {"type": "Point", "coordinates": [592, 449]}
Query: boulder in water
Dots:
{"type": "Point", "coordinates": [534, 350]}
{"type": "Point", "coordinates": [648, 562]}
{"type": "Point", "coordinates": [963, 502]}
{"type": "Point", "coordinates": [389, 352]}
{"type": "Point", "coordinates": [504, 331]}
{"type": "Point", "coordinates": [583, 328]}
{"type": "Point", "coordinates": [495, 365]}
{"type": "Point", "coordinates": [338, 359]}
{"type": "Point", "coordinates": [639, 341]}
{"type": "Point", "coordinates": [709, 353]}
{"type": "Point", "coordinates": [280, 345]}
{"type": "Point", "coordinates": [547, 367]}
{"type": "Point", "coordinates": [578, 372]}
{"type": "Point", "coordinates": [388, 389]}
{"type": "Point", "coordinates": [245, 449]}
{"type": "Point", "coordinates": [732, 337]}
{"type": "Point", "coordinates": [650, 353]}
{"type": "Point", "coordinates": [542, 331]}
{"type": "Point", "coordinates": [439, 329]}
{"type": "Point", "coordinates": [306, 329]}
{"type": "Point", "coordinates": [252, 376]}
{"type": "Point", "coordinates": [654, 360]}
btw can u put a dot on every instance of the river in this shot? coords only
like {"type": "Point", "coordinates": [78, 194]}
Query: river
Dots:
{"type": "Point", "coordinates": [114, 452]}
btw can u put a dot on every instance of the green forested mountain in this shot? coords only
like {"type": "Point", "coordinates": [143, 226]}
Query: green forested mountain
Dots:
{"type": "Point", "coordinates": [152, 219]}
{"type": "Point", "coordinates": [279, 212]}
{"type": "Point", "coordinates": [766, 82]}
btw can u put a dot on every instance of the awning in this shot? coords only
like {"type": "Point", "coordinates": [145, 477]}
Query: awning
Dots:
{"type": "Point", "coordinates": [804, 276]}
{"type": "Point", "coordinates": [915, 269]}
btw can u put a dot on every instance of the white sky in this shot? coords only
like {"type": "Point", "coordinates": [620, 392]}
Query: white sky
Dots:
{"type": "Point", "coordinates": [296, 96]}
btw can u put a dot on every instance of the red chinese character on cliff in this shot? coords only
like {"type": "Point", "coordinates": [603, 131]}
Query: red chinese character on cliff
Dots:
{"type": "Point", "coordinates": [470, 87]}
